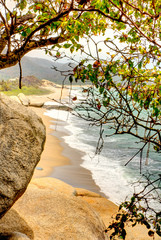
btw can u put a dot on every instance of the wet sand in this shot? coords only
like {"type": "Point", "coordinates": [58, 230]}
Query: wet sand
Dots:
{"type": "Point", "coordinates": [58, 159]}
{"type": "Point", "coordinates": [73, 173]}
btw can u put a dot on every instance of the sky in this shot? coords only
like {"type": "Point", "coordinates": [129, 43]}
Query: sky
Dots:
{"type": "Point", "coordinates": [39, 54]}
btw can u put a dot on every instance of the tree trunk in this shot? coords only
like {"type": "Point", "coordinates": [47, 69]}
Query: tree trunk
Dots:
{"type": "Point", "coordinates": [20, 77]}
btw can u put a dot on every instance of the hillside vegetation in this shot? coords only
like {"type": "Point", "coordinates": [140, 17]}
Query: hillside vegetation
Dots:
{"type": "Point", "coordinates": [30, 86]}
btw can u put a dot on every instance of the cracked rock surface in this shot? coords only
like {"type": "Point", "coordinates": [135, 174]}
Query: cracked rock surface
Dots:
{"type": "Point", "coordinates": [22, 137]}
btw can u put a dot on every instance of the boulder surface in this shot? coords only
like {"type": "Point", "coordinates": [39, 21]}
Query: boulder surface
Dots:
{"type": "Point", "coordinates": [23, 99]}
{"type": "Point", "coordinates": [51, 210]}
{"type": "Point", "coordinates": [22, 138]}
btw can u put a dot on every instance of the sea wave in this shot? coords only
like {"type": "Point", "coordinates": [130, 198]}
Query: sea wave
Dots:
{"type": "Point", "coordinates": [108, 168]}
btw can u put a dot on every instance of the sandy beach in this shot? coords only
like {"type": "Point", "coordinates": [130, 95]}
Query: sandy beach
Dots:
{"type": "Point", "coordinates": [51, 156]}
{"type": "Point", "coordinates": [57, 153]}
{"type": "Point", "coordinates": [58, 161]}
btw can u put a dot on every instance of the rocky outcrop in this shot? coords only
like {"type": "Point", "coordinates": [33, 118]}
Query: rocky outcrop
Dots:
{"type": "Point", "coordinates": [14, 236]}
{"type": "Point", "coordinates": [15, 98]}
{"type": "Point", "coordinates": [23, 99]}
{"type": "Point", "coordinates": [51, 210]}
{"type": "Point", "coordinates": [26, 101]}
{"type": "Point", "coordinates": [36, 104]}
{"type": "Point", "coordinates": [33, 101]}
{"type": "Point", "coordinates": [22, 137]}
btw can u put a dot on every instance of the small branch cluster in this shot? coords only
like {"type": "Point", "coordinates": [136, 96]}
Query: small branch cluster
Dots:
{"type": "Point", "coordinates": [143, 208]}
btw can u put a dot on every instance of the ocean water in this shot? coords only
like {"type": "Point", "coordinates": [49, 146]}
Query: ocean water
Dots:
{"type": "Point", "coordinates": [108, 168]}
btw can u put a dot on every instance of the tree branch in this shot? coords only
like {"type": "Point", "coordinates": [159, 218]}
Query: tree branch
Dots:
{"type": "Point", "coordinates": [13, 58]}
{"type": "Point", "coordinates": [92, 9]}
{"type": "Point", "coordinates": [47, 23]}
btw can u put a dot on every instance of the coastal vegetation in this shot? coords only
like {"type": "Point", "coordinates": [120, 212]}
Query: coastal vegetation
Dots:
{"type": "Point", "coordinates": [27, 91]}
{"type": "Point", "coordinates": [124, 70]}
{"type": "Point", "coordinates": [31, 86]}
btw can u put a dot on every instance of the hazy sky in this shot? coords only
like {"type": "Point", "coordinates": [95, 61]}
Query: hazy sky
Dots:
{"type": "Point", "coordinates": [77, 55]}
{"type": "Point", "coordinates": [10, 4]}
{"type": "Point", "coordinates": [39, 54]}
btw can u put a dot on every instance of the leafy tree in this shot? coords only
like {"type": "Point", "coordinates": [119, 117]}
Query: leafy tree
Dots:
{"type": "Point", "coordinates": [125, 94]}
{"type": "Point", "coordinates": [126, 99]}
{"type": "Point", "coordinates": [125, 73]}
{"type": "Point", "coordinates": [35, 24]}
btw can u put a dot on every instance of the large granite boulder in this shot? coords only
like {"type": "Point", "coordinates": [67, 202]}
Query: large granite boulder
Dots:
{"type": "Point", "coordinates": [50, 209]}
{"type": "Point", "coordinates": [22, 137]}
{"type": "Point", "coordinates": [53, 210]}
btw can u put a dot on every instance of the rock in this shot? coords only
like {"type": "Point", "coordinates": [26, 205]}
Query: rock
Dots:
{"type": "Point", "coordinates": [23, 99]}
{"type": "Point", "coordinates": [55, 185]}
{"type": "Point", "coordinates": [53, 212]}
{"type": "Point", "coordinates": [58, 107]}
{"type": "Point", "coordinates": [22, 137]}
{"type": "Point", "coordinates": [39, 168]}
{"type": "Point", "coordinates": [102, 205]}
{"type": "Point", "coordinates": [108, 210]}
{"type": "Point", "coordinates": [36, 104]}
{"type": "Point", "coordinates": [86, 193]}
{"type": "Point", "coordinates": [12, 223]}
{"type": "Point", "coordinates": [15, 98]}
{"type": "Point", "coordinates": [15, 236]}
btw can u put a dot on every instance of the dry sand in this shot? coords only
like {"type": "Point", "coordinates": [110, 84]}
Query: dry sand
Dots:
{"type": "Point", "coordinates": [52, 154]}
{"type": "Point", "coordinates": [58, 153]}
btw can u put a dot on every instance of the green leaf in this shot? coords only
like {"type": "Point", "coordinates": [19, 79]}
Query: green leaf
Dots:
{"type": "Point", "coordinates": [20, 28]}
{"type": "Point", "coordinates": [106, 102]}
{"type": "Point", "coordinates": [67, 45]}
{"type": "Point", "coordinates": [8, 16]}
{"type": "Point", "coordinates": [76, 37]}
{"type": "Point", "coordinates": [28, 30]}
{"type": "Point", "coordinates": [52, 26]}
{"type": "Point", "coordinates": [24, 34]}
{"type": "Point", "coordinates": [101, 90]}
{"type": "Point", "coordinates": [130, 63]}
{"type": "Point", "coordinates": [72, 49]}
{"type": "Point", "coordinates": [140, 65]}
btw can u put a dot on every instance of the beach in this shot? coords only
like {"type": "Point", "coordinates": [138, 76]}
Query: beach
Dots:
{"type": "Point", "coordinates": [58, 161]}
{"type": "Point", "coordinates": [57, 153]}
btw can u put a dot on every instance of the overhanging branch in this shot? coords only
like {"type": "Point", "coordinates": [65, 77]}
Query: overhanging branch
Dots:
{"type": "Point", "coordinates": [13, 58]}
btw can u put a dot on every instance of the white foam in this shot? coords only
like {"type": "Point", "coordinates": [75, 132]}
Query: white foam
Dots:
{"type": "Point", "coordinates": [58, 114]}
{"type": "Point", "coordinates": [107, 174]}
{"type": "Point", "coordinates": [49, 103]}
{"type": "Point", "coordinates": [108, 170]}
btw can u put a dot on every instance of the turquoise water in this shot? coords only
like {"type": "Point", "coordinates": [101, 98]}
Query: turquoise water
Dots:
{"type": "Point", "coordinates": [108, 168]}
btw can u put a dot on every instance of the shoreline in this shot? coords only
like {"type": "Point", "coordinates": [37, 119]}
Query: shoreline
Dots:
{"type": "Point", "coordinates": [61, 161]}
{"type": "Point", "coordinates": [73, 173]}
{"type": "Point", "coordinates": [58, 159]}
{"type": "Point", "coordinates": [50, 157]}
